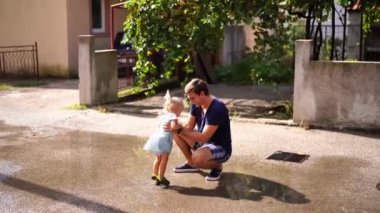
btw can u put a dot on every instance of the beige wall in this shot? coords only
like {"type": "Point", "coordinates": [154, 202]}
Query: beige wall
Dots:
{"type": "Point", "coordinates": [237, 38]}
{"type": "Point", "coordinates": [79, 23]}
{"type": "Point", "coordinates": [45, 21]}
{"type": "Point", "coordinates": [55, 25]}
{"type": "Point", "coordinates": [102, 40]}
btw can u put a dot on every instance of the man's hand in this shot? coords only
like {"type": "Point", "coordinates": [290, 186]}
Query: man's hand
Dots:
{"type": "Point", "coordinates": [173, 129]}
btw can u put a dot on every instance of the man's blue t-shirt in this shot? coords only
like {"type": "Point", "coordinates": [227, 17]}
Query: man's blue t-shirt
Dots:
{"type": "Point", "coordinates": [217, 114]}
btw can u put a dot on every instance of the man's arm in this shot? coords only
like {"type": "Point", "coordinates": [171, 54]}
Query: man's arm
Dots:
{"type": "Point", "coordinates": [190, 124]}
{"type": "Point", "coordinates": [201, 137]}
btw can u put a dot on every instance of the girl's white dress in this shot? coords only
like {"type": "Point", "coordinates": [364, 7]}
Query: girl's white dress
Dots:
{"type": "Point", "coordinates": [160, 141]}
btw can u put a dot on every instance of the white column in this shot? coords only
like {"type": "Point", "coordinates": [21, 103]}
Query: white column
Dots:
{"type": "Point", "coordinates": [85, 68]}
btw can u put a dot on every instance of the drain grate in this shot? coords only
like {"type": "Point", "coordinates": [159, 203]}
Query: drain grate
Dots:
{"type": "Point", "coordinates": [288, 156]}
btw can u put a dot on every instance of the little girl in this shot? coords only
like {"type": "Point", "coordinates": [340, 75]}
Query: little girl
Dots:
{"type": "Point", "coordinates": [161, 142]}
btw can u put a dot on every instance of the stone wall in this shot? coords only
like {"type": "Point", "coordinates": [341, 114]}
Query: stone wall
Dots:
{"type": "Point", "coordinates": [335, 94]}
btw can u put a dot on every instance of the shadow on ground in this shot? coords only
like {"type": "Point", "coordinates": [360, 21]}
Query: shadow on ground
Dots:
{"type": "Point", "coordinates": [245, 101]}
{"type": "Point", "coordinates": [136, 110]}
{"type": "Point", "coordinates": [367, 133]}
{"type": "Point", "coordinates": [42, 83]}
{"type": "Point", "coordinates": [238, 186]}
{"type": "Point", "coordinates": [56, 195]}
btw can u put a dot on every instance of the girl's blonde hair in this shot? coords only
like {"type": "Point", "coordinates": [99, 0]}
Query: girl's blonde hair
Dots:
{"type": "Point", "coordinates": [172, 103]}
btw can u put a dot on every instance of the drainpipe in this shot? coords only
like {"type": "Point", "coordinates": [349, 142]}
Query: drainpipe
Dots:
{"type": "Point", "coordinates": [361, 32]}
{"type": "Point", "coordinates": [344, 34]}
{"type": "Point", "coordinates": [111, 26]}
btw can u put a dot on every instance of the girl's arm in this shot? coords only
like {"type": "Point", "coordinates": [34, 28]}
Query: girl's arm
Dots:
{"type": "Point", "coordinates": [174, 124]}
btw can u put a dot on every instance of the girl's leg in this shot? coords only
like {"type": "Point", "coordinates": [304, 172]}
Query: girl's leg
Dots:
{"type": "Point", "coordinates": [163, 182]}
{"type": "Point", "coordinates": [162, 167]}
{"type": "Point", "coordinates": [156, 165]}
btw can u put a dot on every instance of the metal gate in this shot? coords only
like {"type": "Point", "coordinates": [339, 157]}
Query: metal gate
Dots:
{"type": "Point", "coordinates": [19, 61]}
{"type": "Point", "coordinates": [126, 60]}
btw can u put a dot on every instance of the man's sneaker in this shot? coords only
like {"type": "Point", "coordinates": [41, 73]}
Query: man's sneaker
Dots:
{"type": "Point", "coordinates": [214, 175]}
{"type": "Point", "coordinates": [185, 168]}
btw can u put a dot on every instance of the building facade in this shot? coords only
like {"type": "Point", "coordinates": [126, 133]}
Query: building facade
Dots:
{"type": "Point", "coordinates": [55, 26]}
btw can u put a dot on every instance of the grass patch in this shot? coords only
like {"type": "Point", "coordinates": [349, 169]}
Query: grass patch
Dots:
{"type": "Point", "coordinates": [285, 111]}
{"type": "Point", "coordinates": [5, 87]}
{"type": "Point", "coordinates": [76, 107]}
{"type": "Point", "coordinates": [103, 109]}
{"type": "Point", "coordinates": [130, 91]}
{"type": "Point", "coordinates": [13, 83]}
{"type": "Point", "coordinates": [143, 92]}
{"type": "Point", "coordinates": [29, 83]}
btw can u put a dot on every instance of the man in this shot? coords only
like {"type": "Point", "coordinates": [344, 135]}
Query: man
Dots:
{"type": "Point", "coordinates": [209, 145]}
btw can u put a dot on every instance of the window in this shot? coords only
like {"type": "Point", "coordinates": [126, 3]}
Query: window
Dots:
{"type": "Point", "coordinates": [98, 16]}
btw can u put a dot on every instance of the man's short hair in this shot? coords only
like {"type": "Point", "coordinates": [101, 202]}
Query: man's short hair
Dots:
{"type": "Point", "coordinates": [197, 86]}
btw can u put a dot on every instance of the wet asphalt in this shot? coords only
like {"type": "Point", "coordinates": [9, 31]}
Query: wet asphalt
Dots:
{"type": "Point", "coordinates": [58, 160]}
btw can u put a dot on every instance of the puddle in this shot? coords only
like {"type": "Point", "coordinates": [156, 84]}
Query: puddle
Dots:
{"type": "Point", "coordinates": [7, 168]}
{"type": "Point", "coordinates": [91, 157]}
{"type": "Point", "coordinates": [75, 171]}
{"type": "Point", "coordinates": [110, 168]}
{"type": "Point", "coordinates": [10, 132]}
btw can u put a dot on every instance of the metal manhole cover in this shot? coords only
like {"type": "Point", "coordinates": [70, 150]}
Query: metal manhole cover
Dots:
{"type": "Point", "coordinates": [288, 156]}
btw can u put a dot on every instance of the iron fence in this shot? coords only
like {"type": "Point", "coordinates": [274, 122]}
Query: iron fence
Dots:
{"type": "Point", "coordinates": [347, 43]}
{"type": "Point", "coordinates": [19, 61]}
{"type": "Point", "coordinates": [126, 60]}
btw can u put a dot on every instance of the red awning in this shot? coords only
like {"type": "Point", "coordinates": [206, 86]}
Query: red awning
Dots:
{"type": "Point", "coordinates": [118, 5]}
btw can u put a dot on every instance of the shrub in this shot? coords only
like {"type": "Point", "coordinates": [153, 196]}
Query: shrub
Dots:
{"type": "Point", "coordinates": [257, 69]}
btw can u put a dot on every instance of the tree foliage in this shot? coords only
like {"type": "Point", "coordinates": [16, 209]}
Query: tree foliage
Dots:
{"type": "Point", "coordinates": [180, 27]}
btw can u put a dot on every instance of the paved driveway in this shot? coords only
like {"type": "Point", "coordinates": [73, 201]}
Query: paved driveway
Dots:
{"type": "Point", "coordinates": [58, 160]}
